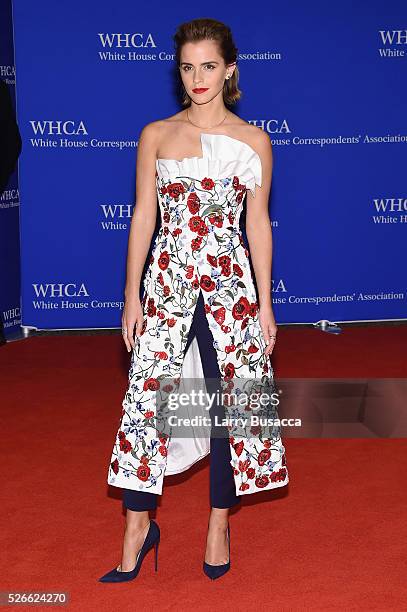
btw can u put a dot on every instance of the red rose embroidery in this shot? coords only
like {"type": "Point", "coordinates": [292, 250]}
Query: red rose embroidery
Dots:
{"type": "Point", "coordinates": [164, 260]}
{"type": "Point", "coordinates": [144, 327]}
{"type": "Point", "coordinates": [229, 371]}
{"type": "Point", "coordinates": [261, 482]}
{"type": "Point", "coordinates": [241, 308]}
{"type": "Point", "coordinates": [244, 323]}
{"type": "Point", "coordinates": [237, 270]}
{"type": "Point", "coordinates": [277, 476]}
{"type": "Point", "coordinates": [203, 230]}
{"type": "Point", "coordinates": [189, 271]}
{"type": "Point", "coordinates": [207, 183]}
{"type": "Point", "coordinates": [115, 466]}
{"type": "Point", "coordinates": [151, 309]}
{"type": "Point", "coordinates": [212, 260]}
{"type": "Point", "coordinates": [207, 283]}
{"type": "Point", "coordinates": [143, 472]}
{"type": "Point", "coordinates": [195, 223]}
{"type": "Point", "coordinates": [253, 309]}
{"type": "Point", "coordinates": [240, 196]}
{"type": "Point", "coordinates": [252, 349]}
{"type": "Point", "coordinates": [243, 465]}
{"type": "Point", "coordinates": [224, 260]}
{"type": "Point", "coordinates": [193, 203]}
{"type": "Point", "coordinates": [151, 384]}
{"type": "Point", "coordinates": [238, 448]}
{"type": "Point", "coordinates": [264, 455]}
{"type": "Point", "coordinates": [219, 315]}
{"type": "Point", "coordinates": [125, 446]}
{"type": "Point", "coordinates": [196, 243]}
{"type": "Point", "coordinates": [174, 190]}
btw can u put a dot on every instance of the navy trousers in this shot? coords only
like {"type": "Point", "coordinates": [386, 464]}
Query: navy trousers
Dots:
{"type": "Point", "coordinates": [222, 483]}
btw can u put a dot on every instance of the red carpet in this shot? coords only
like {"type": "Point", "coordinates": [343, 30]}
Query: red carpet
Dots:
{"type": "Point", "coordinates": [334, 539]}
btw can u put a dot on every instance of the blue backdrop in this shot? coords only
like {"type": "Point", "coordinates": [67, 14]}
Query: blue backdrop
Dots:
{"type": "Point", "coordinates": [325, 80]}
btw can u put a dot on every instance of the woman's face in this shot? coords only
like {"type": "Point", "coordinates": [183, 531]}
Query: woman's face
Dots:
{"type": "Point", "coordinates": [202, 68]}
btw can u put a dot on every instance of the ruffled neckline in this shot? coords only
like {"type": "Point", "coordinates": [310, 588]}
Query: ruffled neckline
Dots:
{"type": "Point", "coordinates": [222, 156]}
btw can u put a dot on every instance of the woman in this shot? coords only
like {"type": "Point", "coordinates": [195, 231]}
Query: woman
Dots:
{"type": "Point", "coordinates": [201, 163]}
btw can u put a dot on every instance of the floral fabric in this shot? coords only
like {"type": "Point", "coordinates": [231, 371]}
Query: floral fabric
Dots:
{"type": "Point", "coordinates": [199, 248]}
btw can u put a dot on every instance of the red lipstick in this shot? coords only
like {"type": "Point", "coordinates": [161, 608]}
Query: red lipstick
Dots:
{"type": "Point", "coordinates": [199, 90]}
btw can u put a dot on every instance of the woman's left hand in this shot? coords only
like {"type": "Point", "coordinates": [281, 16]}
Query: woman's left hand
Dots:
{"type": "Point", "coordinates": [268, 327]}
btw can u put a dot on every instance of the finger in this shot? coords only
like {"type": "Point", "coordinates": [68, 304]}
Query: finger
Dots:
{"type": "Point", "coordinates": [273, 337]}
{"type": "Point", "coordinates": [130, 333]}
{"type": "Point", "coordinates": [126, 342]}
{"type": "Point", "coordinates": [124, 327]}
{"type": "Point", "coordinates": [269, 344]}
{"type": "Point", "coordinates": [265, 334]}
{"type": "Point", "coordinates": [125, 334]}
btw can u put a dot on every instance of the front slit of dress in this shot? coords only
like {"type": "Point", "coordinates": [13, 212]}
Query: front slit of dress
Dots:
{"type": "Point", "coordinates": [222, 484]}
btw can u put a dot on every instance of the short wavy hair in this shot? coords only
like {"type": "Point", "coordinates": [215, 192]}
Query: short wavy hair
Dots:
{"type": "Point", "coordinates": [210, 29]}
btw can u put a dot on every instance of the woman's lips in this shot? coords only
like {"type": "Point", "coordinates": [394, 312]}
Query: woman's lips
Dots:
{"type": "Point", "coordinates": [200, 90]}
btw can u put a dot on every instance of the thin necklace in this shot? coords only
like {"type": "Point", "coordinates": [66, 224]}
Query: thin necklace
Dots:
{"type": "Point", "coordinates": [206, 128]}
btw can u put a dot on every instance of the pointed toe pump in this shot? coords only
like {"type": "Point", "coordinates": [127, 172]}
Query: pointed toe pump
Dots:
{"type": "Point", "coordinates": [216, 571]}
{"type": "Point", "coordinates": [152, 539]}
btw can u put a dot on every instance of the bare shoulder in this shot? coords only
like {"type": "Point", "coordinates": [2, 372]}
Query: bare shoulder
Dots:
{"type": "Point", "coordinates": [152, 135]}
{"type": "Point", "coordinates": [258, 139]}
{"type": "Point", "coordinates": [252, 135]}
{"type": "Point", "coordinates": [150, 132]}
{"type": "Point", "coordinates": [162, 130]}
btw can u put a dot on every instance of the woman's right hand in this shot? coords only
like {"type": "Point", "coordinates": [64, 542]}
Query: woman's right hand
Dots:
{"type": "Point", "coordinates": [132, 317]}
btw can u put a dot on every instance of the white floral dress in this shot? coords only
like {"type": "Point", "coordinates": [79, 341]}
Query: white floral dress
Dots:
{"type": "Point", "coordinates": [199, 247]}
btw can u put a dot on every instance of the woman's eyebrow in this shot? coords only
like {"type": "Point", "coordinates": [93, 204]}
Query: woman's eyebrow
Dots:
{"type": "Point", "coordinates": [203, 63]}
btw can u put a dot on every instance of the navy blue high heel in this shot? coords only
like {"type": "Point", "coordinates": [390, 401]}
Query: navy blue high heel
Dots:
{"type": "Point", "coordinates": [216, 571]}
{"type": "Point", "coordinates": [152, 539]}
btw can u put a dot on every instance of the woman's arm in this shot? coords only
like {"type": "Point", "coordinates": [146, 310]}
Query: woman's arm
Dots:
{"type": "Point", "coordinates": [258, 231]}
{"type": "Point", "coordinates": [141, 230]}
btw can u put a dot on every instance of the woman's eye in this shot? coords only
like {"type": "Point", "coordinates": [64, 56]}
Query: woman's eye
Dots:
{"type": "Point", "coordinates": [187, 68]}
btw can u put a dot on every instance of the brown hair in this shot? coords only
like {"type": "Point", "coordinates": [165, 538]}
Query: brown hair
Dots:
{"type": "Point", "coordinates": [210, 29]}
